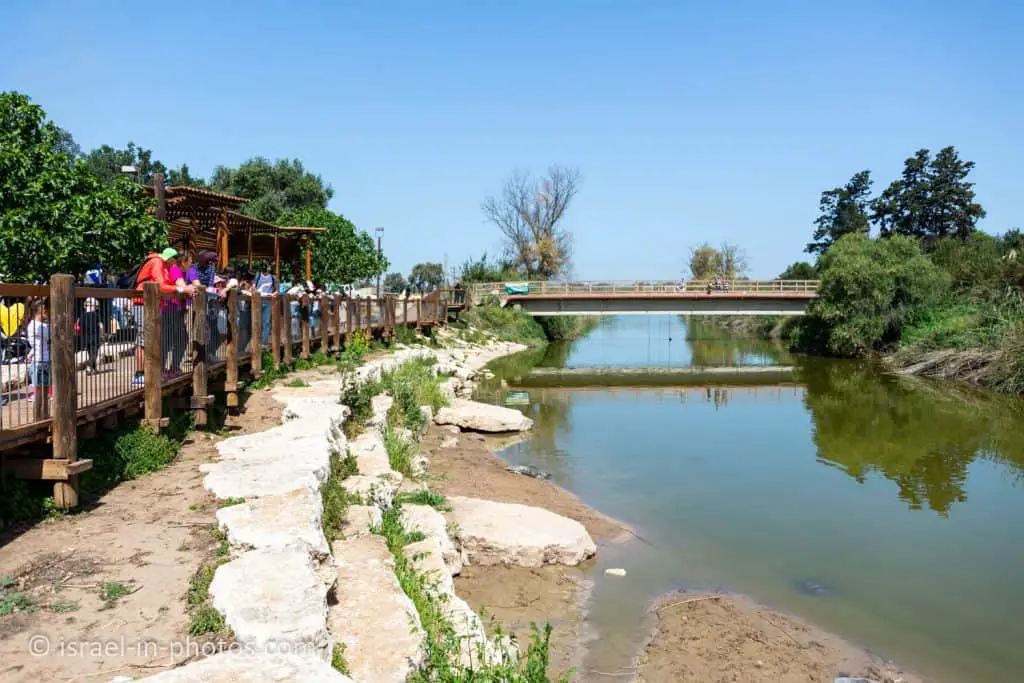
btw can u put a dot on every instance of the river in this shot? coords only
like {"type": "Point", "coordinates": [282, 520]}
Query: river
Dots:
{"type": "Point", "coordinates": [889, 511]}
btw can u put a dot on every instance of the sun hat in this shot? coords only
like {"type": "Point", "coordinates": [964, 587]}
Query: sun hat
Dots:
{"type": "Point", "coordinates": [169, 253]}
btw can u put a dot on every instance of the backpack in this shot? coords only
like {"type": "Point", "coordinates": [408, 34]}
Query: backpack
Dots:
{"type": "Point", "coordinates": [131, 279]}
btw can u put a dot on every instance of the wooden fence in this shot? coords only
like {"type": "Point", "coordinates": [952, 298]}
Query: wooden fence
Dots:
{"type": "Point", "coordinates": [93, 355]}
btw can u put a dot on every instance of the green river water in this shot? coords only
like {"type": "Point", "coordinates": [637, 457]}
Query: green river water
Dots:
{"type": "Point", "coordinates": [889, 511]}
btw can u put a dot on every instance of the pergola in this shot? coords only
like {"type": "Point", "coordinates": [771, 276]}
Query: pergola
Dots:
{"type": "Point", "coordinates": [199, 219]}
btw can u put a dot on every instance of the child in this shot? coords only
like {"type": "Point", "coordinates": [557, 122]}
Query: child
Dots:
{"type": "Point", "coordinates": [38, 333]}
{"type": "Point", "coordinates": [92, 333]}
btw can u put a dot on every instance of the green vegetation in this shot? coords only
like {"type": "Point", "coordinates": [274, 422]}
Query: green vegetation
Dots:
{"type": "Point", "coordinates": [507, 324]}
{"type": "Point", "coordinates": [334, 498]}
{"type": "Point", "coordinates": [400, 450]}
{"type": "Point", "coordinates": [413, 384]}
{"type": "Point", "coordinates": [62, 607]}
{"type": "Point", "coordinates": [296, 383]}
{"type": "Point", "coordinates": [338, 662]}
{"type": "Point", "coordinates": [442, 645]}
{"type": "Point", "coordinates": [228, 502]}
{"type": "Point", "coordinates": [424, 497]}
{"type": "Point", "coordinates": [359, 399]}
{"type": "Point", "coordinates": [111, 592]}
{"type": "Point", "coordinates": [13, 601]}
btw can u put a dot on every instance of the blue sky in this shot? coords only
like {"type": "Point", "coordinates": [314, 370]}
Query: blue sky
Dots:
{"type": "Point", "coordinates": [689, 121]}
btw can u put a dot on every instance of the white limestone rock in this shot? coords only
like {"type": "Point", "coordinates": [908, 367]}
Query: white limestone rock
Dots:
{"type": "Point", "coordinates": [432, 524]}
{"type": "Point", "coordinates": [473, 643]}
{"type": "Point", "coordinates": [373, 617]}
{"type": "Point", "coordinates": [428, 559]}
{"type": "Point", "coordinates": [381, 404]}
{"type": "Point", "coordinates": [274, 599]}
{"type": "Point", "coordinates": [371, 456]}
{"type": "Point", "coordinates": [359, 519]}
{"type": "Point", "coordinates": [483, 417]}
{"type": "Point", "coordinates": [378, 491]}
{"type": "Point", "coordinates": [521, 535]}
{"type": "Point", "coordinates": [234, 667]}
{"type": "Point", "coordinates": [259, 478]}
{"type": "Point", "coordinates": [274, 522]}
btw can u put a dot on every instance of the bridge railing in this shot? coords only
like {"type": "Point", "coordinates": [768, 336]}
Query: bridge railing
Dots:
{"type": "Point", "coordinates": [599, 287]}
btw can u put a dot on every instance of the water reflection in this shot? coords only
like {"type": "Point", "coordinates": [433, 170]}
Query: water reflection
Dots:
{"type": "Point", "coordinates": [920, 435]}
{"type": "Point", "coordinates": [711, 345]}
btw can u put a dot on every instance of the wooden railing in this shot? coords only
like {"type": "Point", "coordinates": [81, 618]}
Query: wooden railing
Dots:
{"type": "Point", "coordinates": [664, 287]}
{"type": "Point", "coordinates": [113, 352]}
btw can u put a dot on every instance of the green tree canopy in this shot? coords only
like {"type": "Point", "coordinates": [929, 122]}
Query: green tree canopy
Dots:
{"type": "Point", "coordinates": [727, 261]}
{"type": "Point", "coordinates": [394, 283]}
{"type": "Point", "coordinates": [342, 254]}
{"type": "Point", "coordinates": [486, 270]}
{"type": "Point", "coordinates": [55, 214]}
{"type": "Point", "coordinates": [931, 200]}
{"type": "Point", "coordinates": [426, 277]}
{"type": "Point", "coordinates": [843, 210]}
{"type": "Point", "coordinates": [869, 290]}
{"type": "Point", "coordinates": [800, 270]}
{"type": "Point", "coordinates": [273, 188]}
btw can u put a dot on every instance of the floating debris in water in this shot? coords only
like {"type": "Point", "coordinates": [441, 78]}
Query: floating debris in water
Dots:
{"type": "Point", "coordinates": [615, 571]}
{"type": "Point", "coordinates": [529, 471]}
{"type": "Point", "coordinates": [811, 587]}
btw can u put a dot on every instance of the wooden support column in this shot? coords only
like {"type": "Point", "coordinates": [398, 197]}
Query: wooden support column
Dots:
{"type": "Point", "coordinates": [275, 330]}
{"type": "Point", "coordinates": [305, 309]}
{"type": "Point", "coordinates": [277, 257]}
{"type": "Point", "coordinates": [336, 320]}
{"type": "Point", "coordinates": [309, 259]}
{"type": "Point", "coordinates": [222, 240]}
{"type": "Point", "coordinates": [286, 323]}
{"type": "Point", "coordinates": [325, 325]}
{"type": "Point", "coordinates": [231, 371]}
{"type": "Point", "coordinates": [405, 311]}
{"type": "Point", "coordinates": [369, 317]}
{"type": "Point", "coordinates": [200, 336]}
{"type": "Point", "coordinates": [419, 312]}
{"type": "Point", "coordinates": [256, 339]}
{"type": "Point", "coordinates": [350, 316]}
{"type": "Point", "coordinates": [153, 365]}
{"type": "Point", "coordinates": [65, 388]}
{"type": "Point", "coordinates": [160, 195]}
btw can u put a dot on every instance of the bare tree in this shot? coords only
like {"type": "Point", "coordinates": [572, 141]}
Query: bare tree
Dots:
{"type": "Point", "coordinates": [529, 212]}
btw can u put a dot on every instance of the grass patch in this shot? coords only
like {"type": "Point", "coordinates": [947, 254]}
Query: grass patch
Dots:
{"type": "Point", "coordinates": [424, 497]}
{"type": "Point", "coordinates": [63, 607]}
{"type": "Point", "coordinates": [296, 383]}
{"type": "Point", "coordinates": [111, 592]}
{"type": "Point", "coordinates": [206, 619]}
{"type": "Point", "coordinates": [359, 399]}
{"type": "Point", "coordinates": [338, 662]}
{"type": "Point", "coordinates": [413, 384]}
{"type": "Point", "coordinates": [401, 451]}
{"type": "Point", "coordinates": [16, 602]}
{"type": "Point", "coordinates": [507, 324]}
{"type": "Point", "coordinates": [442, 644]}
{"type": "Point", "coordinates": [228, 502]}
{"type": "Point", "coordinates": [334, 497]}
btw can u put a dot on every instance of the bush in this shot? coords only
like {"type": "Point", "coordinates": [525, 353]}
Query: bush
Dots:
{"type": "Point", "coordinates": [400, 452]}
{"type": "Point", "coordinates": [412, 385]}
{"type": "Point", "coordinates": [972, 263]}
{"type": "Point", "coordinates": [359, 399]}
{"type": "Point", "coordinates": [507, 324]}
{"type": "Point", "coordinates": [869, 290]}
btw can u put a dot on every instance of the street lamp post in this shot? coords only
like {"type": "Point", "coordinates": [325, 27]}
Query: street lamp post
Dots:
{"type": "Point", "coordinates": [380, 253]}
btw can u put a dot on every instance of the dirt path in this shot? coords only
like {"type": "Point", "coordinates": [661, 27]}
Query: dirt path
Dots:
{"type": "Point", "coordinates": [719, 639]}
{"type": "Point", "coordinates": [107, 586]}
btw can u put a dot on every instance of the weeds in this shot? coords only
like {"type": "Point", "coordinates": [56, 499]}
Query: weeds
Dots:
{"type": "Point", "coordinates": [206, 619]}
{"type": "Point", "coordinates": [296, 383]}
{"type": "Point", "coordinates": [15, 602]}
{"type": "Point", "coordinates": [228, 502]}
{"type": "Point", "coordinates": [338, 659]}
{"type": "Point", "coordinates": [111, 592]}
{"type": "Point", "coordinates": [359, 399]}
{"type": "Point", "coordinates": [64, 607]}
{"type": "Point", "coordinates": [401, 451]}
{"type": "Point", "coordinates": [413, 384]}
{"type": "Point", "coordinates": [334, 497]}
{"type": "Point", "coordinates": [424, 497]}
{"type": "Point", "coordinates": [442, 644]}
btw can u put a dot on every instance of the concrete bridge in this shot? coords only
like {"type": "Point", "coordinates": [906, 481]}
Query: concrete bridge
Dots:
{"type": "Point", "coordinates": [695, 297]}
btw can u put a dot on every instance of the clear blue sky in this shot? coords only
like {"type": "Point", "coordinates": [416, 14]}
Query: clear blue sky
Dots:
{"type": "Point", "coordinates": [689, 121]}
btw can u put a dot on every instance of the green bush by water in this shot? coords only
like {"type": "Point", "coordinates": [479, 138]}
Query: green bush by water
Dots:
{"type": "Point", "coordinates": [507, 324]}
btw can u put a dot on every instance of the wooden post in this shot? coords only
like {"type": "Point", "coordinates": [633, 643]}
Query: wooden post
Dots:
{"type": "Point", "coordinates": [369, 317]}
{"type": "Point", "coordinates": [309, 259]}
{"type": "Point", "coordinates": [277, 257]}
{"type": "Point", "coordinates": [405, 310]}
{"type": "Point", "coordinates": [160, 195]}
{"type": "Point", "coordinates": [350, 316]}
{"type": "Point", "coordinates": [304, 311]}
{"type": "Point", "coordinates": [336, 320]}
{"type": "Point", "coordinates": [419, 312]}
{"type": "Point", "coordinates": [325, 325]}
{"type": "Point", "coordinates": [65, 387]}
{"type": "Point", "coordinates": [231, 371]}
{"type": "Point", "coordinates": [286, 323]}
{"type": "Point", "coordinates": [153, 365]}
{"type": "Point", "coordinates": [275, 330]}
{"type": "Point", "coordinates": [200, 335]}
{"type": "Point", "coordinates": [256, 340]}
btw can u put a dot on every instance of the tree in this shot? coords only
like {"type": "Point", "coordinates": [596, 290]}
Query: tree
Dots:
{"type": "Point", "coordinates": [426, 277]}
{"type": "Point", "coordinates": [844, 211]}
{"type": "Point", "coordinates": [529, 214]}
{"type": "Point", "coordinates": [484, 270]}
{"type": "Point", "coordinates": [273, 188]}
{"type": "Point", "coordinates": [394, 283]}
{"type": "Point", "coordinates": [800, 270]}
{"type": "Point", "coordinates": [341, 255]}
{"type": "Point", "coordinates": [55, 215]}
{"type": "Point", "coordinates": [105, 162]}
{"type": "Point", "coordinates": [706, 262]}
{"type": "Point", "coordinates": [869, 290]}
{"type": "Point", "coordinates": [931, 200]}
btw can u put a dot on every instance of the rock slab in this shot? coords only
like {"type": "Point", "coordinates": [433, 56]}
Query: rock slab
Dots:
{"type": "Point", "coordinates": [274, 600]}
{"type": "Point", "coordinates": [233, 667]}
{"type": "Point", "coordinates": [274, 522]}
{"type": "Point", "coordinates": [373, 617]}
{"type": "Point", "coordinates": [482, 417]}
{"type": "Point", "coordinates": [518, 535]}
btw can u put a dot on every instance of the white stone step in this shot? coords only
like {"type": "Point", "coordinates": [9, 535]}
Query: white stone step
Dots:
{"type": "Point", "coordinates": [274, 599]}
{"type": "Point", "coordinates": [274, 522]}
{"type": "Point", "coordinates": [359, 519]}
{"type": "Point", "coordinates": [371, 456]}
{"type": "Point", "coordinates": [511, 534]}
{"type": "Point", "coordinates": [432, 524]}
{"type": "Point", "coordinates": [373, 617]}
{"type": "Point", "coordinates": [232, 667]}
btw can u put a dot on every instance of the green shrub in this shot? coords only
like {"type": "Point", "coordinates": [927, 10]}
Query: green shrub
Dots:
{"type": "Point", "coordinates": [869, 290]}
{"type": "Point", "coordinates": [401, 451]}
{"type": "Point", "coordinates": [507, 324]}
{"type": "Point", "coordinates": [359, 399]}
{"type": "Point", "coordinates": [413, 384]}
{"type": "Point", "coordinates": [334, 497]}
{"type": "Point", "coordinates": [424, 497]}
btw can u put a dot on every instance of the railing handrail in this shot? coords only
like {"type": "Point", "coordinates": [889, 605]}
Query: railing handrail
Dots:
{"type": "Point", "coordinates": [651, 286]}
